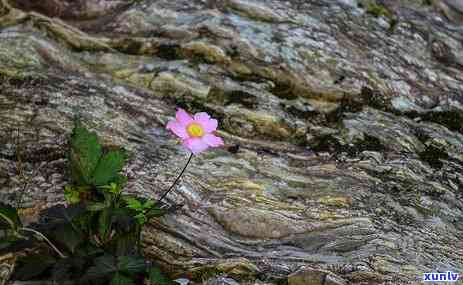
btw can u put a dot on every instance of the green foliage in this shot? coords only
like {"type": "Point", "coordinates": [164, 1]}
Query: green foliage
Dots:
{"type": "Point", "coordinates": [143, 210]}
{"type": "Point", "coordinates": [377, 10]}
{"type": "Point", "coordinates": [121, 279]}
{"type": "Point", "coordinates": [108, 167]}
{"type": "Point", "coordinates": [130, 264]}
{"type": "Point", "coordinates": [71, 195]}
{"type": "Point", "coordinates": [68, 236]}
{"type": "Point", "coordinates": [114, 188]}
{"type": "Point", "coordinates": [84, 155]}
{"type": "Point", "coordinates": [99, 233]}
{"type": "Point", "coordinates": [33, 266]}
{"type": "Point", "coordinates": [156, 277]}
{"type": "Point", "coordinates": [123, 266]}
{"type": "Point", "coordinates": [91, 165]}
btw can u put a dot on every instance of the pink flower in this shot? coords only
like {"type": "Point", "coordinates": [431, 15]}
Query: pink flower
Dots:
{"type": "Point", "coordinates": [197, 132]}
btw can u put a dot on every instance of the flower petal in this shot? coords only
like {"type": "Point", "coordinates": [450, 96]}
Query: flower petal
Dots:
{"type": "Point", "coordinates": [201, 117]}
{"type": "Point", "coordinates": [183, 117]}
{"type": "Point", "coordinates": [177, 129]}
{"type": "Point", "coordinates": [209, 125]}
{"type": "Point", "coordinates": [211, 140]}
{"type": "Point", "coordinates": [196, 145]}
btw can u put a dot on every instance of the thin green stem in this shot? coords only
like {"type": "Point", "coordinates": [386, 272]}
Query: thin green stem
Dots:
{"type": "Point", "coordinates": [45, 239]}
{"type": "Point", "coordinates": [138, 229]}
{"type": "Point", "coordinates": [176, 180]}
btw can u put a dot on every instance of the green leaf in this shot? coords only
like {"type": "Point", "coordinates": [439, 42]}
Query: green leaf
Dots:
{"type": "Point", "coordinates": [141, 219]}
{"type": "Point", "coordinates": [121, 181]}
{"type": "Point", "coordinates": [60, 215]}
{"type": "Point", "coordinates": [95, 206]}
{"type": "Point", "coordinates": [155, 212]}
{"type": "Point", "coordinates": [71, 195]}
{"type": "Point", "coordinates": [33, 265]}
{"type": "Point", "coordinates": [149, 204]}
{"type": "Point", "coordinates": [124, 244]}
{"type": "Point", "coordinates": [121, 279]}
{"type": "Point", "coordinates": [108, 167]}
{"type": "Point", "coordinates": [111, 188]}
{"type": "Point", "coordinates": [133, 203]}
{"type": "Point", "coordinates": [84, 155]}
{"type": "Point", "coordinates": [64, 269]}
{"type": "Point", "coordinates": [67, 236]}
{"type": "Point", "coordinates": [103, 266]}
{"type": "Point", "coordinates": [156, 277]}
{"type": "Point", "coordinates": [87, 250]}
{"type": "Point", "coordinates": [9, 216]}
{"type": "Point", "coordinates": [85, 222]}
{"type": "Point", "coordinates": [123, 218]}
{"type": "Point", "coordinates": [104, 223]}
{"type": "Point", "coordinates": [131, 264]}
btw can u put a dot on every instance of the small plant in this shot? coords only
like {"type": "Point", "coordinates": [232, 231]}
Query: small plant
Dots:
{"type": "Point", "coordinates": [91, 166]}
{"type": "Point", "coordinates": [143, 210]}
{"type": "Point", "coordinates": [95, 239]}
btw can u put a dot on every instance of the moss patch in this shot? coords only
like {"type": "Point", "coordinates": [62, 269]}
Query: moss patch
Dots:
{"type": "Point", "coordinates": [241, 269]}
{"type": "Point", "coordinates": [375, 9]}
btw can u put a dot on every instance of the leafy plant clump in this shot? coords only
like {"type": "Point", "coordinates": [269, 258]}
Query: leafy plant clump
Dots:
{"type": "Point", "coordinates": [96, 238]}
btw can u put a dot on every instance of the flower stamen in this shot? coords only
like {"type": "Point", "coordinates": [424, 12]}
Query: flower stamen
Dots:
{"type": "Point", "coordinates": [195, 130]}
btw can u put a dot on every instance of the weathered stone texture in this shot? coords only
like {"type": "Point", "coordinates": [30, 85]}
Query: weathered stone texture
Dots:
{"type": "Point", "coordinates": [347, 115]}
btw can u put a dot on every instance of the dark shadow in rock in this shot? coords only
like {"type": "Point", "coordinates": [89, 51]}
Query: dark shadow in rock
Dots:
{"type": "Point", "coordinates": [374, 98]}
{"type": "Point", "coordinates": [451, 119]}
{"type": "Point", "coordinates": [434, 156]}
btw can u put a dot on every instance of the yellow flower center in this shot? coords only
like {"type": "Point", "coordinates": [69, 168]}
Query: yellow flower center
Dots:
{"type": "Point", "coordinates": [195, 130]}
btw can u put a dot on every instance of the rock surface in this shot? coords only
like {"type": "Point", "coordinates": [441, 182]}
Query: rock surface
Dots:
{"type": "Point", "coordinates": [342, 121]}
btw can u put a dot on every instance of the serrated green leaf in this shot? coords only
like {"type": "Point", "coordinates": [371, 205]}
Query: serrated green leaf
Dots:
{"type": "Point", "coordinates": [156, 277]}
{"type": "Point", "coordinates": [133, 203]}
{"type": "Point", "coordinates": [108, 167]}
{"type": "Point", "coordinates": [84, 155]}
{"type": "Point", "coordinates": [9, 216]}
{"type": "Point", "coordinates": [131, 264]}
{"type": "Point", "coordinates": [121, 279]}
